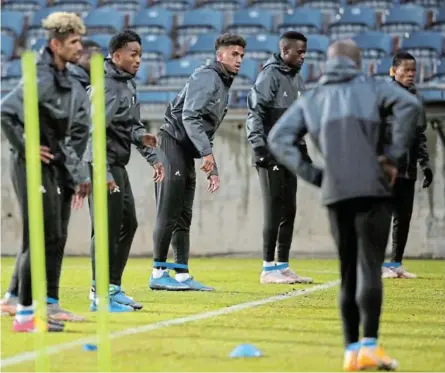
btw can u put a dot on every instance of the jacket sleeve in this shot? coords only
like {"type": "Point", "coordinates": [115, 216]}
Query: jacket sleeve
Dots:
{"type": "Point", "coordinates": [283, 142]}
{"type": "Point", "coordinates": [406, 109]}
{"type": "Point", "coordinates": [423, 157]}
{"type": "Point", "coordinates": [76, 141]}
{"type": "Point", "coordinates": [200, 91]}
{"type": "Point", "coordinates": [258, 100]}
{"type": "Point", "coordinates": [149, 154]}
{"type": "Point", "coordinates": [112, 100]}
{"type": "Point", "coordinates": [12, 113]}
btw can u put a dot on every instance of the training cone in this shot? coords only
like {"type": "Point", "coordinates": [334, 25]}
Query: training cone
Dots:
{"type": "Point", "coordinates": [246, 350]}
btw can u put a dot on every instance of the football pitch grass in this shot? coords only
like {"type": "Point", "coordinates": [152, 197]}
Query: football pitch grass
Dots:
{"type": "Point", "coordinates": [176, 331]}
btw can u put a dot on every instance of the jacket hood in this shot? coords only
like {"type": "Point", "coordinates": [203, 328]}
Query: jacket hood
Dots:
{"type": "Point", "coordinates": [339, 69]}
{"type": "Point", "coordinates": [225, 76]}
{"type": "Point", "coordinates": [112, 71]}
{"type": "Point", "coordinates": [47, 59]}
{"type": "Point", "coordinates": [79, 73]}
{"type": "Point", "coordinates": [276, 61]}
{"type": "Point", "coordinates": [411, 89]}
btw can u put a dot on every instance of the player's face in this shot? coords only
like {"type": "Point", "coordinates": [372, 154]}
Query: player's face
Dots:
{"type": "Point", "coordinates": [294, 54]}
{"type": "Point", "coordinates": [69, 49]}
{"type": "Point", "coordinates": [231, 57]}
{"type": "Point", "coordinates": [128, 58]}
{"type": "Point", "coordinates": [85, 58]}
{"type": "Point", "coordinates": [405, 73]}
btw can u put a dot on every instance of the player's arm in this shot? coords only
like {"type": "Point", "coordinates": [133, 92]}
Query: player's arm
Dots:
{"type": "Point", "coordinates": [258, 100]}
{"type": "Point", "coordinates": [406, 109]}
{"type": "Point", "coordinates": [284, 139]}
{"type": "Point", "coordinates": [423, 157]}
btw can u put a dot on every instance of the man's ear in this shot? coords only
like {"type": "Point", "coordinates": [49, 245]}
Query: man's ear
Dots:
{"type": "Point", "coordinates": [54, 44]}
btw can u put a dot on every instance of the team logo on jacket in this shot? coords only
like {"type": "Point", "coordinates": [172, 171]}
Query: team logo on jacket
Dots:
{"type": "Point", "coordinates": [298, 93]}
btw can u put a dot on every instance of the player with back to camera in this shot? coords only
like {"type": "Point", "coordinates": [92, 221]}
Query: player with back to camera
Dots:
{"type": "Point", "coordinates": [191, 121]}
{"type": "Point", "coordinates": [356, 182]}
{"type": "Point", "coordinates": [123, 128]}
{"type": "Point", "coordinates": [276, 88]}
{"type": "Point", "coordinates": [64, 131]}
{"type": "Point", "coordinates": [403, 72]}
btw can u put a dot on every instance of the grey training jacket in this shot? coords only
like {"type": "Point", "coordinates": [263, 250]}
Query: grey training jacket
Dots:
{"type": "Point", "coordinates": [345, 116]}
{"type": "Point", "coordinates": [275, 90]}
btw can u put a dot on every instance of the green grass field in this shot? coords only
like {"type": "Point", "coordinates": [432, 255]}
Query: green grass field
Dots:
{"type": "Point", "coordinates": [302, 333]}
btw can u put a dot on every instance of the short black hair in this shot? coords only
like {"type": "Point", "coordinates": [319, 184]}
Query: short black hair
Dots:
{"type": "Point", "coordinates": [294, 35]}
{"type": "Point", "coordinates": [226, 40]}
{"type": "Point", "coordinates": [402, 56]}
{"type": "Point", "coordinates": [90, 44]}
{"type": "Point", "coordinates": [122, 38]}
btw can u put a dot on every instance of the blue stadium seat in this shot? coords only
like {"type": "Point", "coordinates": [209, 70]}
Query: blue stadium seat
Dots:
{"type": "Point", "coordinates": [103, 40]}
{"type": "Point", "coordinates": [223, 5]}
{"type": "Point", "coordinates": [251, 22]}
{"type": "Point", "coordinates": [77, 6]}
{"type": "Point", "coordinates": [104, 20]}
{"type": "Point", "coordinates": [178, 71]}
{"type": "Point", "coordinates": [13, 74]}
{"type": "Point", "coordinates": [38, 44]}
{"type": "Point", "coordinates": [23, 5]}
{"type": "Point", "coordinates": [427, 4]}
{"type": "Point", "coordinates": [305, 20]}
{"type": "Point", "coordinates": [424, 44]}
{"type": "Point", "coordinates": [156, 47]}
{"type": "Point", "coordinates": [7, 47]}
{"type": "Point", "coordinates": [439, 20]}
{"type": "Point", "coordinates": [175, 5]}
{"type": "Point", "coordinates": [383, 67]}
{"type": "Point", "coordinates": [35, 30]}
{"type": "Point", "coordinates": [122, 5]}
{"type": "Point", "coordinates": [377, 5]}
{"type": "Point", "coordinates": [153, 21]}
{"type": "Point", "coordinates": [317, 46]}
{"type": "Point", "coordinates": [248, 72]}
{"type": "Point", "coordinates": [351, 21]}
{"type": "Point", "coordinates": [156, 100]}
{"type": "Point", "coordinates": [374, 44]}
{"type": "Point", "coordinates": [273, 5]}
{"type": "Point", "coordinates": [432, 95]}
{"type": "Point", "coordinates": [439, 76]}
{"type": "Point", "coordinates": [260, 47]}
{"type": "Point", "coordinates": [202, 46]}
{"type": "Point", "coordinates": [13, 22]}
{"type": "Point", "coordinates": [143, 74]}
{"type": "Point", "coordinates": [328, 7]}
{"type": "Point", "coordinates": [198, 21]}
{"type": "Point", "coordinates": [305, 72]}
{"type": "Point", "coordinates": [404, 19]}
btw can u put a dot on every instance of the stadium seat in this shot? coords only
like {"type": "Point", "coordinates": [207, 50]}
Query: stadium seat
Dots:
{"type": "Point", "coordinates": [276, 6]}
{"type": "Point", "coordinates": [305, 20]}
{"type": "Point", "coordinates": [175, 5]}
{"type": "Point", "coordinates": [104, 20]}
{"type": "Point", "coordinates": [143, 75]}
{"type": "Point", "coordinates": [156, 100]}
{"type": "Point", "coordinates": [78, 6]}
{"type": "Point", "coordinates": [122, 5]}
{"type": "Point", "coordinates": [383, 67]}
{"type": "Point", "coordinates": [328, 7]}
{"type": "Point", "coordinates": [427, 4]}
{"type": "Point", "coordinates": [202, 46]}
{"type": "Point", "coordinates": [7, 47]}
{"type": "Point", "coordinates": [38, 44]}
{"type": "Point", "coordinates": [198, 21]}
{"type": "Point", "coordinates": [103, 40]}
{"type": "Point", "coordinates": [260, 47]}
{"type": "Point", "coordinates": [223, 5]}
{"type": "Point", "coordinates": [374, 44]}
{"type": "Point", "coordinates": [248, 72]}
{"type": "Point", "coordinates": [317, 46]}
{"type": "Point", "coordinates": [439, 20]}
{"type": "Point", "coordinates": [351, 21]}
{"type": "Point", "coordinates": [178, 71]}
{"type": "Point", "coordinates": [439, 76]}
{"type": "Point", "coordinates": [251, 22]}
{"type": "Point", "coordinates": [426, 46]}
{"type": "Point", "coordinates": [432, 95]}
{"type": "Point", "coordinates": [13, 22]}
{"type": "Point", "coordinates": [13, 74]}
{"type": "Point", "coordinates": [35, 30]}
{"type": "Point", "coordinates": [23, 5]}
{"type": "Point", "coordinates": [156, 48]}
{"type": "Point", "coordinates": [404, 19]}
{"type": "Point", "coordinates": [377, 5]}
{"type": "Point", "coordinates": [153, 21]}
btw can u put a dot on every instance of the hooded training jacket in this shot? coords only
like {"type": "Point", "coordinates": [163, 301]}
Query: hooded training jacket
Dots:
{"type": "Point", "coordinates": [63, 115]}
{"type": "Point", "coordinates": [79, 74]}
{"type": "Point", "coordinates": [419, 150]}
{"type": "Point", "coordinates": [345, 117]}
{"type": "Point", "coordinates": [123, 117]}
{"type": "Point", "coordinates": [275, 90]}
{"type": "Point", "coordinates": [195, 114]}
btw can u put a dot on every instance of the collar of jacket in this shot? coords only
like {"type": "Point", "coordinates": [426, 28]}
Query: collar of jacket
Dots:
{"type": "Point", "coordinates": [112, 71]}
{"type": "Point", "coordinates": [226, 77]}
{"type": "Point", "coordinates": [276, 61]}
{"type": "Point", "coordinates": [79, 73]}
{"type": "Point", "coordinates": [61, 76]}
{"type": "Point", "coordinates": [411, 89]}
{"type": "Point", "coordinates": [339, 69]}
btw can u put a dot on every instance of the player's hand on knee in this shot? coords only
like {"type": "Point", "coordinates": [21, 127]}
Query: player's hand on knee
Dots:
{"type": "Point", "coordinates": [45, 154]}
{"type": "Point", "coordinates": [208, 162]}
{"type": "Point", "coordinates": [213, 183]}
{"type": "Point", "coordinates": [159, 173]}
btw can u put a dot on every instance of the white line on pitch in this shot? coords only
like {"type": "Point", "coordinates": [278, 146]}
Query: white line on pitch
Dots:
{"type": "Point", "coordinates": [29, 356]}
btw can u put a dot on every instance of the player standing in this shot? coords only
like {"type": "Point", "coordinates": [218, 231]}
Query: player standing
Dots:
{"type": "Point", "coordinates": [343, 116]}
{"type": "Point", "coordinates": [276, 88]}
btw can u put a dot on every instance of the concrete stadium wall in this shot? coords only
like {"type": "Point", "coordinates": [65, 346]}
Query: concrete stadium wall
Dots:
{"type": "Point", "coordinates": [230, 221]}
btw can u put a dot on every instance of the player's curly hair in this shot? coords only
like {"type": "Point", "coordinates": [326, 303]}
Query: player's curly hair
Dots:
{"type": "Point", "coordinates": [226, 40]}
{"type": "Point", "coordinates": [59, 25]}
